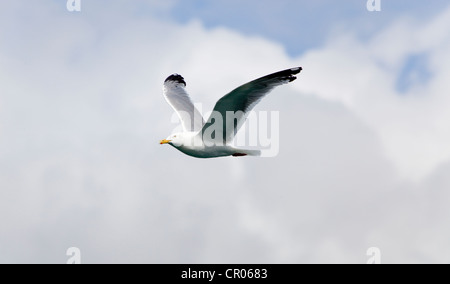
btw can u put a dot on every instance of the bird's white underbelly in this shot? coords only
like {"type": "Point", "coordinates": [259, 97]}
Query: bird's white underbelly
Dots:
{"type": "Point", "coordinates": [207, 152]}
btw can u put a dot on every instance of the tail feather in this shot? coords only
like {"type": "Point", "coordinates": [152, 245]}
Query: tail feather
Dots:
{"type": "Point", "coordinates": [244, 152]}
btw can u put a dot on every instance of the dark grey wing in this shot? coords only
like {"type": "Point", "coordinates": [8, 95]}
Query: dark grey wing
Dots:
{"type": "Point", "coordinates": [233, 108]}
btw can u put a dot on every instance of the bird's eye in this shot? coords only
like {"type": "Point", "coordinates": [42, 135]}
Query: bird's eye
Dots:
{"type": "Point", "coordinates": [175, 136]}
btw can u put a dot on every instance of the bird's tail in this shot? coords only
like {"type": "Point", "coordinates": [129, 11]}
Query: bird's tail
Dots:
{"type": "Point", "coordinates": [244, 152]}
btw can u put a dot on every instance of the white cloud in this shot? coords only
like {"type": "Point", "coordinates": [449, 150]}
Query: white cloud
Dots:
{"type": "Point", "coordinates": [414, 127]}
{"type": "Point", "coordinates": [80, 165]}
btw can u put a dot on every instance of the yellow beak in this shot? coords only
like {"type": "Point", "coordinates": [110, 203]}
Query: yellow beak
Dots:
{"type": "Point", "coordinates": [165, 141]}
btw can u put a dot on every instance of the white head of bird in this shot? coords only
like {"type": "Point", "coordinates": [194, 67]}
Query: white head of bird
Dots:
{"type": "Point", "coordinates": [183, 140]}
{"type": "Point", "coordinates": [176, 139]}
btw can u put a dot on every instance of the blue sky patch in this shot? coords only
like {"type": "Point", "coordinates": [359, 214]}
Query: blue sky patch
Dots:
{"type": "Point", "coordinates": [300, 25]}
{"type": "Point", "coordinates": [415, 72]}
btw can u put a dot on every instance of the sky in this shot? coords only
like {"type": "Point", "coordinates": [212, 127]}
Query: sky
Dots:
{"type": "Point", "coordinates": [364, 132]}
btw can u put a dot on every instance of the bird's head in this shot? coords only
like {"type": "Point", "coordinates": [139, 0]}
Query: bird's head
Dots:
{"type": "Point", "coordinates": [176, 139]}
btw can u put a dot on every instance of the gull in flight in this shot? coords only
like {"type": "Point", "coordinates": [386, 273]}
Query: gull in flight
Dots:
{"type": "Point", "coordinates": [213, 138]}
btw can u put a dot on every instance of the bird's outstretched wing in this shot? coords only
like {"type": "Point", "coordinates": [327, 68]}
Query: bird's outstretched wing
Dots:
{"type": "Point", "coordinates": [177, 97]}
{"type": "Point", "coordinates": [234, 107]}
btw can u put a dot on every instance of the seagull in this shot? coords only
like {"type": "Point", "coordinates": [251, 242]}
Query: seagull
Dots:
{"type": "Point", "coordinates": [212, 139]}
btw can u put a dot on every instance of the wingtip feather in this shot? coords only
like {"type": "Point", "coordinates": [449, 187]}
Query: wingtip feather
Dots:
{"type": "Point", "coordinates": [176, 78]}
{"type": "Point", "coordinates": [296, 70]}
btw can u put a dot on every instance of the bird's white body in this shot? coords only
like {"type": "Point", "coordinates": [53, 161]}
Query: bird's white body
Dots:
{"type": "Point", "coordinates": [192, 144]}
{"type": "Point", "coordinates": [215, 152]}
{"type": "Point", "coordinates": [194, 141]}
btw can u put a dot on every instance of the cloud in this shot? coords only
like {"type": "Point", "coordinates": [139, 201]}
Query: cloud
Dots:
{"type": "Point", "coordinates": [301, 25]}
{"type": "Point", "coordinates": [82, 113]}
{"type": "Point", "coordinates": [364, 75]}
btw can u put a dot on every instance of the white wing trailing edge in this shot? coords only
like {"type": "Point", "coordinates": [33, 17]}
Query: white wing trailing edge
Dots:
{"type": "Point", "coordinates": [177, 97]}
